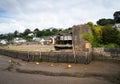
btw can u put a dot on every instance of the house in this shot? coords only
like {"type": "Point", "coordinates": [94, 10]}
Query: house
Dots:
{"type": "Point", "coordinates": [3, 42]}
{"type": "Point", "coordinates": [117, 25]}
{"type": "Point", "coordinates": [64, 39]}
{"type": "Point", "coordinates": [36, 39]}
{"type": "Point", "coordinates": [30, 34]}
{"type": "Point", "coordinates": [19, 40]}
{"type": "Point", "coordinates": [42, 41]}
{"type": "Point", "coordinates": [50, 40]}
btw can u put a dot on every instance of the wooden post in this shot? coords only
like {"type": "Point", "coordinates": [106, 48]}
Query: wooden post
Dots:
{"type": "Point", "coordinates": [73, 48]}
{"type": "Point", "coordinates": [40, 55]}
{"type": "Point", "coordinates": [87, 51]}
{"type": "Point", "coordinates": [28, 57]}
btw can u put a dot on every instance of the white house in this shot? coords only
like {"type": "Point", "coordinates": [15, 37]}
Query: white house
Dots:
{"type": "Point", "coordinates": [3, 41]}
{"type": "Point", "coordinates": [30, 34]}
{"type": "Point", "coordinates": [19, 40]}
{"type": "Point", "coordinates": [42, 41]}
{"type": "Point", "coordinates": [36, 39]}
{"type": "Point", "coordinates": [118, 26]}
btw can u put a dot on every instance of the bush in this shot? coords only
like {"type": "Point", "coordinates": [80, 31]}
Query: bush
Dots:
{"type": "Point", "coordinates": [110, 45]}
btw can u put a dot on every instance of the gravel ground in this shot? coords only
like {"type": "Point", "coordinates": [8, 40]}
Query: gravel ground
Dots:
{"type": "Point", "coordinates": [32, 47]}
{"type": "Point", "coordinates": [15, 71]}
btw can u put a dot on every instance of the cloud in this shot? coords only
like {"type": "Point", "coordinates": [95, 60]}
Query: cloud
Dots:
{"type": "Point", "coordinates": [22, 14]}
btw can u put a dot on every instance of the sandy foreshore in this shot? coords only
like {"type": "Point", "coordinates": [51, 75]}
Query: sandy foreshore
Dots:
{"type": "Point", "coordinates": [15, 71]}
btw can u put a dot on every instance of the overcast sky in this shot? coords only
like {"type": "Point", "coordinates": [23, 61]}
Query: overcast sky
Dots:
{"type": "Point", "coordinates": [42, 14]}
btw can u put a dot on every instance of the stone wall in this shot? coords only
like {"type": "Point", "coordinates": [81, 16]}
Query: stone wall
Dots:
{"type": "Point", "coordinates": [78, 40]}
{"type": "Point", "coordinates": [66, 57]}
{"type": "Point", "coordinates": [106, 52]}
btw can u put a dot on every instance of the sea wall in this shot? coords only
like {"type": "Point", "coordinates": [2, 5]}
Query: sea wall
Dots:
{"type": "Point", "coordinates": [112, 53]}
{"type": "Point", "coordinates": [64, 57]}
{"type": "Point", "coordinates": [106, 54]}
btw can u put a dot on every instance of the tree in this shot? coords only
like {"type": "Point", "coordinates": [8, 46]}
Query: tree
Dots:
{"type": "Point", "coordinates": [118, 40]}
{"type": "Point", "coordinates": [55, 31]}
{"type": "Point", "coordinates": [26, 32]}
{"type": "Point", "coordinates": [39, 34]}
{"type": "Point", "coordinates": [103, 22]}
{"type": "Point", "coordinates": [117, 16]}
{"type": "Point", "coordinates": [89, 37]}
{"type": "Point", "coordinates": [2, 36]}
{"type": "Point", "coordinates": [16, 33]}
{"type": "Point", "coordinates": [36, 30]}
{"type": "Point", "coordinates": [97, 33]}
{"type": "Point", "coordinates": [110, 35]}
{"type": "Point", "coordinates": [46, 32]}
{"type": "Point", "coordinates": [9, 36]}
{"type": "Point", "coordinates": [90, 24]}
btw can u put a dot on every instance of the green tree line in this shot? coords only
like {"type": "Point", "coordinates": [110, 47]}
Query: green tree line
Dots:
{"type": "Point", "coordinates": [36, 33]}
{"type": "Point", "coordinates": [105, 33]}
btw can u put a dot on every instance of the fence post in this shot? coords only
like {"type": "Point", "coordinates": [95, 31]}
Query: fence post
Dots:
{"type": "Point", "coordinates": [28, 57]}
{"type": "Point", "coordinates": [58, 58]}
{"type": "Point", "coordinates": [33, 58]}
{"type": "Point", "coordinates": [40, 57]}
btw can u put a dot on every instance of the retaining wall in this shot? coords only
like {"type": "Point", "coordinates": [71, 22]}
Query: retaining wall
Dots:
{"type": "Point", "coordinates": [106, 53]}
{"type": "Point", "coordinates": [66, 57]}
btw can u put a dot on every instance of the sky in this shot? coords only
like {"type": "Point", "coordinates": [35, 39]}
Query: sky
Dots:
{"type": "Point", "coordinates": [23, 14]}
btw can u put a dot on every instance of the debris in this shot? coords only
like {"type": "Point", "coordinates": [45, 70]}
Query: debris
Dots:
{"type": "Point", "coordinates": [10, 61]}
{"type": "Point", "coordinates": [69, 66]}
{"type": "Point", "coordinates": [51, 65]}
{"type": "Point", "coordinates": [37, 63]}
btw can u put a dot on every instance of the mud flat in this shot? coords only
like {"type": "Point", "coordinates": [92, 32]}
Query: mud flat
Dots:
{"type": "Point", "coordinates": [20, 72]}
